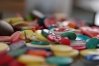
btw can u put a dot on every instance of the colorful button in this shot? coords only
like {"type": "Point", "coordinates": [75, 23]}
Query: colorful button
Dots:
{"type": "Point", "coordinates": [17, 45]}
{"type": "Point", "coordinates": [45, 32]}
{"type": "Point", "coordinates": [39, 35]}
{"type": "Point", "coordinates": [40, 43]}
{"type": "Point", "coordinates": [5, 38]}
{"type": "Point", "coordinates": [82, 37]}
{"type": "Point", "coordinates": [92, 58]}
{"type": "Point", "coordinates": [63, 48]}
{"type": "Point", "coordinates": [42, 53]}
{"type": "Point", "coordinates": [15, 36]}
{"type": "Point", "coordinates": [15, 63]}
{"type": "Point", "coordinates": [30, 59]}
{"type": "Point", "coordinates": [70, 35]}
{"type": "Point", "coordinates": [78, 44]}
{"type": "Point", "coordinates": [5, 59]}
{"type": "Point", "coordinates": [4, 47]}
{"type": "Point", "coordinates": [65, 41]}
{"type": "Point", "coordinates": [16, 53]}
{"type": "Point", "coordinates": [32, 46]}
{"type": "Point", "coordinates": [62, 61]}
{"type": "Point", "coordinates": [92, 43]}
{"type": "Point", "coordinates": [26, 34]}
{"type": "Point", "coordinates": [89, 52]}
{"type": "Point", "coordinates": [54, 38]}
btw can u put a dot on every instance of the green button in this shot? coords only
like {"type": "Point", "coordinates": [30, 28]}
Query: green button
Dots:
{"type": "Point", "coordinates": [18, 52]}
{"type": "Point", "coordinates": [61, 61]}
{"type": "Point", "coordinates": [45, 32]}
{"type": "Point", "coordinates": [70, 35]}
{"type": "Point", "coordinates": [92, 43]}
{"type": "Point", "coordinates": [40, 43]}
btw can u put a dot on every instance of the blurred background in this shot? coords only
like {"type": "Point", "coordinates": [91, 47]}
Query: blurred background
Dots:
{"type": "Point", "coordinates": [79, 9]}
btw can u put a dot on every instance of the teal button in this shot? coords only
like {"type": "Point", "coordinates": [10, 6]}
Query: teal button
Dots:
{"type": "Point", "coordinates": [82, 37]}
{"type": "Point", "coordinates": [70, 35]}
{"type": "Point", "coordinates": [92, 43]}
{"type": "Point", "coordinates": [45, 32]}
{"type": "Point", "coordinates": [40, 43]}
{"type": "Point", "coordinates": [18, 52]}
{"type": "Point", "coordinates": [60, 61]}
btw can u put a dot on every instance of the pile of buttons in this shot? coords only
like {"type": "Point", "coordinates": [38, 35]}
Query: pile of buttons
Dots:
{"type": "Point", "coordinates": [41, 43]}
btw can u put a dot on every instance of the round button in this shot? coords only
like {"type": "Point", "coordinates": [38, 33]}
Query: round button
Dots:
{"type": "Point", "coordinates": [59, 60]}
{"type": "Point", "coordinates": [89, 52]}
{"type": "Point", "coordinates": [4, 47]}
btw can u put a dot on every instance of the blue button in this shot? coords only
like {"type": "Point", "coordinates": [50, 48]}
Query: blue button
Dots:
{"type": "Point", "coordinates": [92, 58]}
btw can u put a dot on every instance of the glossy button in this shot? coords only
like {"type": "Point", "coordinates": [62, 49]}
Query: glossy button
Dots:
{"type": "Point", "coordinates": [5, 38]}
{"type": "Point", "coordinates": [92, 58]}
{"type": "Point", "coordinates": [78, 44]}
{"type": "Point", "coordinates": [40, 43]}
{"type": "Point", "coordinates": [70, 35]}
{"type": "Point", "coordinates": [30, 59]}
{"type": "Point", "coordinates": [4, 47]}
{"type": "Point", "coordinates": [59, 60]}
{"type": "Point", "coordinates": [26, 34]}
{"type": "Point", "coordinates": [15, 36]}
{"type": "Point", "coordinates": [42, 53]}
{"type": "Point", "coordinates": [61, 48]}
{"type": "Point", "coordinates": [89, 52]}
{"type": "Point", "coordinates": [16, 53]}
{"type": "Point", "coordinates": [82, 37]}
{"type": "Point", "coordinates": [40, 36]}
{"type": "Point", "coordinates": [92, 43]}
{"type": "Point", "coordinates": [17, 45]}
{"type": "Point", "coordinates": [45, 32]}
{"type": "Point", "coordinates": [32, 46]}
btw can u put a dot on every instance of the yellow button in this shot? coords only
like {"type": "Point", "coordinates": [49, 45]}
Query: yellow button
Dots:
{"type": "Point", "coordinates": [30, 59]}
{"type": "Point", "coordinates": [40, 36]}
{"type": "Point", "coordinates": [72, 53]}
{"type": "Point", "coordinates": [64, 48]}
{"type": "Point", "coordinates": [3, 47]}
{"type": "Point", "coordinates": [89, 52]}
{"type": "Point", "coordinates": [26, 33]}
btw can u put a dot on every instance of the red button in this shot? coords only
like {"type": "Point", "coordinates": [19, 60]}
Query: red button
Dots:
{"type": "Point", "coordinates": [16, 36]}
{"type": "Point", "coordinates": [54, 38]}
{"type": "Point", "coordinates": [15, 63]}
{"type": "Point", "coordinates": [5, 38]}
{"type": "Point", "coordinates": [37, 52]}
{"type": "Point", "coordinates": [65, 41]}
{"type": "Point", "coordinates": [5, 59]}
{"type": "Point", "coordinates": [79, 47]}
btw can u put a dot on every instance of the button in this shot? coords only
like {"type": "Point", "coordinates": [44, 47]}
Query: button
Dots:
{"type": "Point", "coordinates": [82, 37]}
{"type": "Point", "coordinates": [70, 35]}
{"type": "Point", "coordinates": [92, 43]}
{"type": "Point", "coordinates": [15, 36]}
{"type": "Point", "coordinates": [30, 59]}
{"type": "Point", "coordinates": [92, 58]}
{"type": "Point", "coordinates": [89, 52]}
{"type": "Point", "coordinates": [5, 59]}
{"type": "Point", "coordinates": [63, 48]}
{"type": "Point", "coordinates": [17, 45]}
{"type": "Point", "coordinates": [40, 36]}
{"type": "Point", "coordinates": [16, 53]}
{"type": "Point", "coordinates": [45, 32]}
{"type": "Point", "coordinates": [5, 38]}
{"type": "Point", "coordinates": [65, 41]}
{"type": "Point", "coordinates": [42, 53]}
{"type": "Point", "coordinates": [78, 44]}
{"type": "Point", "coordinates": [54, 38]}
{"type": "Point", "coordinates": [15, 63]}
{"type": "Point", "coordinates": [40, 43]}
{"type": "Point", "coordinates": [4, 47]}
{"type": "Point", "coordinates": [59, 60]}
